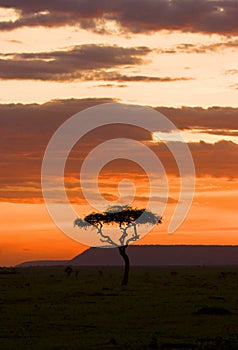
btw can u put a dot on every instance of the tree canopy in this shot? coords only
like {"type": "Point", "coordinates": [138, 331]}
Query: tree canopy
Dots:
{"type": "Point", "coordinates": [124, 217]}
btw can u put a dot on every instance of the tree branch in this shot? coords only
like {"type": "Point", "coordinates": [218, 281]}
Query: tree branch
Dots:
{"type": "Point", "coordinates": [135, 229]}
{"type": "Point", "coordinates": [106, 239]}
{"type": "Point", "coordinates": [133, 238]}
{"type": "Point", "coordinates": [123, 236]}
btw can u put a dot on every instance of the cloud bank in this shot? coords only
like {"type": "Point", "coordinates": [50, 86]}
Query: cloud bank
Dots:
{"type": "Point", "coordinates": [129, 16]}
{"type": "Point", "coordinates": [26, 129]}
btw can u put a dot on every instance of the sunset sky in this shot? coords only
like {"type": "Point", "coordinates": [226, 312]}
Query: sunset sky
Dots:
{"type": "Point", "coordinates": [60, 57]}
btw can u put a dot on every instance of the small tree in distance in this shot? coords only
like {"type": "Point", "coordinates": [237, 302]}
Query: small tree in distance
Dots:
{"type": "Point", "coordinates": [127, 220]}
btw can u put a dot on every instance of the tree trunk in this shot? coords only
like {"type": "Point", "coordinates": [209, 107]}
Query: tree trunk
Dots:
{"type": "Point", "coordinates": [122, 251]}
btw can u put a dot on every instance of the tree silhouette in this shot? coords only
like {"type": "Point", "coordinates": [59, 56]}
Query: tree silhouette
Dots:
{"type": "Point", "coordinates": [127, 219]}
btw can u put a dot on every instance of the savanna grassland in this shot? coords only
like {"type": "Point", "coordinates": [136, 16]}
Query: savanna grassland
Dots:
{"type": "Point", "coordinates": [161, 308]}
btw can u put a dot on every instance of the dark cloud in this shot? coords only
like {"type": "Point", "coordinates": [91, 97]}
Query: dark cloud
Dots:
{"type": "Point", "coordinates": [212, 118]}
{"type": "Point", "coordinates": [86, 62]}
{"type": "Point", "coordinates": [114, 76]}
{"type": "Point", "coordinates": [220, 132]}
{"type": "Point", "coordinates": [136, 16]}
{"type": "Point", "coordinates": [25, 132]}
{"type": "Point", "coordinates": [26, 129]}
{"type": "Point", "coordinates": [218, 160]}
{"type": "Point", "coordinates": [215, 160]}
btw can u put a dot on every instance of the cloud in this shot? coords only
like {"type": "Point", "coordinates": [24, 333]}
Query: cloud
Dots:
{"type": "Point", "coordinates": [202, 48]}
{"type": "Point", "coordinates": [212, 118]}
{"type": "Point", "coordinates": [141, 16]}
{"type": "Point", "coordinates": [235, 86]}
{"type": "Point", "coordinates": [25, 132]}
{"type": "Point", "coordinates": [26, 129]}
{"type": "Point", "coordinates": [112, 85]}
{"type": "Point", "coordinates": [14, 41]}
{"type": "Point", "coordinates": [220, 132]}
{"type": "Point", "coordinates": [217, 160]}
{"type": "Point", "coordinates": [85, 62]}
{"type": "Point", "coordinates": [115, 76]}
{"type": "Point", "coordinates": [231, 71]}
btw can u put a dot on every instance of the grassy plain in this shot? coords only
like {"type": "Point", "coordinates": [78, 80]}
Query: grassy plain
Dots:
{"type": "Point", "coordinates": [161, 308]}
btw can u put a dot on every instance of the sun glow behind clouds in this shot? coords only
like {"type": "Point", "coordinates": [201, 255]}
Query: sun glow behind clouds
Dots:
{"type": "Point", "coordinates": [8, 15]}
{"type": "Point", "coordinates": [193, 136]}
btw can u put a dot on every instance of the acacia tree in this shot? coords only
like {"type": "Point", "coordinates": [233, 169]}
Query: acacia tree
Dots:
{"type": "Point", "coordinates": [127, 219]}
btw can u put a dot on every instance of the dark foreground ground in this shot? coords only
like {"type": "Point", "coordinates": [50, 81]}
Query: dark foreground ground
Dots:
{"type": "Point", "coordinates": [161, 308]}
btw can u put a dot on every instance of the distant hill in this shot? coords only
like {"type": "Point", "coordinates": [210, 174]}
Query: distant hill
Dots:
{"type": "Point", "coordinates": [43, 263]}
{"type": "Point", "coordinates": [150, 255]}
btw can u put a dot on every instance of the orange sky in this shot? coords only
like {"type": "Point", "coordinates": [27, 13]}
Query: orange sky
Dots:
{"type": "Point", "coordinates": [28, 233]}
{"type": "Point", "coordinates": [58, 60]}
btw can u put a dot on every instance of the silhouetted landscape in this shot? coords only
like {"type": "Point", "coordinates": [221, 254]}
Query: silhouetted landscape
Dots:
{"type": "Point", "coordinates": [151, 255]}
{"type": "Point", "coordinates": [162, 307]}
